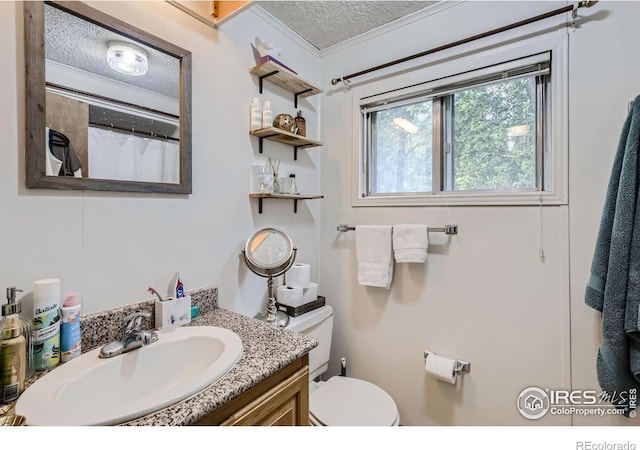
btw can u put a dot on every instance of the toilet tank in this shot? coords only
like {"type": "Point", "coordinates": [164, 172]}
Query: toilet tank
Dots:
{"type": "Point", "coordinates": [318, 324]}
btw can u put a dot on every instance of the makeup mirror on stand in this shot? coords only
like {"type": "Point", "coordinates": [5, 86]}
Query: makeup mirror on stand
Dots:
{"type": "Point", "coordinates": [270, 253]}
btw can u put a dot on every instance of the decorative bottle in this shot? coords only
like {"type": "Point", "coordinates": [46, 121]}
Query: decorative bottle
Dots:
{"type": "Point", "coordinates": [301, 124]}
{"type": "Point", "coordinates": [15, 349]}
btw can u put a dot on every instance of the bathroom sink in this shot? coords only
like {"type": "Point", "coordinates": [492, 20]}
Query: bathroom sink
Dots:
{"type": "Point", "coordinates": [92, 391]}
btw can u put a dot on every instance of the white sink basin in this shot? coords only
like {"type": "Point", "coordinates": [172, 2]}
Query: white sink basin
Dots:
{"type": "Point", "coordinates": [93, 391]}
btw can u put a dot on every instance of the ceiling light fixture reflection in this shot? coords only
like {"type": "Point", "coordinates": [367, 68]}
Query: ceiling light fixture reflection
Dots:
{"type": "Point", "coordinates": [406, 125]}
{"type": "Point", "coordinates": [519, 130]}
{"type": "Point", "coordinates": [127, 58]}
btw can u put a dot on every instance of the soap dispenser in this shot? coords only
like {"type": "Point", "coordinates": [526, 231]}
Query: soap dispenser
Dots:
{"type": "Point", "coordinates": [15, 349]}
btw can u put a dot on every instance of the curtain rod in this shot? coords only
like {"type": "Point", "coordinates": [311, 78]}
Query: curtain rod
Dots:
{"type": "Point", "coordinates": [574, 7]}
{"type": "Point", "coordinates": [133, 131]}
{"type": "Point", "coordinates": [113, 101]}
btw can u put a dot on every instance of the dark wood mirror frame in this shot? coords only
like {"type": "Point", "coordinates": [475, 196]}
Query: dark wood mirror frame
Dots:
{"type": "Point", "coordinates": [35, 103]}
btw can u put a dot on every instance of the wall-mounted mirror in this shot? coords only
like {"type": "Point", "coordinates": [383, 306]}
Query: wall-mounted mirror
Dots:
{"type": "Point", "coordinates": [108, 106]}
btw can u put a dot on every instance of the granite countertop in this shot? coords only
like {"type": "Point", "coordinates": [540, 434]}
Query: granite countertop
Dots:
{"type": "Point", "coordinates": [267, 349]}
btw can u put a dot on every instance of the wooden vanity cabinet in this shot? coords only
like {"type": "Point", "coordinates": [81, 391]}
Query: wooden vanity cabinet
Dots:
{"type": "Point", "coordinates": [281, 399]}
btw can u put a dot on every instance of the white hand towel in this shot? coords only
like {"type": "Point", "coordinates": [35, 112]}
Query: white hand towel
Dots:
{"type": "Point", "coordinates": [410, 243]}
{"type": "Point", "coordinates": [374, 255]}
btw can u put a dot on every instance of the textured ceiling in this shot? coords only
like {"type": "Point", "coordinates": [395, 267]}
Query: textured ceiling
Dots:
{"type": "Point", "coordinates": [327, 23]}
{"type": "Point", "coordinates": [83, 45]}
{"type": "Point", "coordinates": [75, 42]}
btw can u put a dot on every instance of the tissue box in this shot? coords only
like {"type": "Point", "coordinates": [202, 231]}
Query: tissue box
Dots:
{"type": "Point", "coordinates": [173, 312]}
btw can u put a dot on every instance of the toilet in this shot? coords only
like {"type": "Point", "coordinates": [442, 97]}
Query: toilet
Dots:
{"type": "Point", "coordinates": [340, 400]}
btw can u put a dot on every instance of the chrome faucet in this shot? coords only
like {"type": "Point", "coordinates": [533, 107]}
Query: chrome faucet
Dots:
{"type": "Point", "coordinates": [134, 336]}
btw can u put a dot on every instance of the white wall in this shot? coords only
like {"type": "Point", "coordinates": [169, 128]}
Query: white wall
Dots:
{"type": "Point", "coordinates": [605, 77]}
{"type": "Point", "coordinates": [111, 246]}
{"type": "Point", "coordinates": [484, 295]}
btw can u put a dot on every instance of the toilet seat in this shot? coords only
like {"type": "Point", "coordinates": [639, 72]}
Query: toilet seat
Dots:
{"type": "Point", "coordinates": [351, 402]}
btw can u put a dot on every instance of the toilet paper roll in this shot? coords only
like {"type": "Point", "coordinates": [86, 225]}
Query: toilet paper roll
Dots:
{"type": "Point", "coordinates": [310, 294]}
{"type": "Point", "coordinates": [289, 296]}
{"type": "Point", "coordinates": [299, 276]}
{"type": "Point", "coordinates": [441, 368]}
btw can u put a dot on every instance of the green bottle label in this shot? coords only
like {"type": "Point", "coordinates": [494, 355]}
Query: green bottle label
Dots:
{"type": "Point", "coordinates": [46, 339]}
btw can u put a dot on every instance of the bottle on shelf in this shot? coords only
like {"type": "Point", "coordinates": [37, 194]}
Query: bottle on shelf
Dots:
{"type": "Point", "coordinates": [301, 124]}
{"type": "Point", "coordinates": [255, 114]}
{"type": "Point", "coordinates": [258, 184]}
{"type": "Point", "coordinates": [293, 187]}
{"type": "Point", "coordinates": [275, 167]}
{"type": "Point", "coordinates": [267, 114]}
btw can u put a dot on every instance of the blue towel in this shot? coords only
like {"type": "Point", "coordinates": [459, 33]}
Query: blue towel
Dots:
{"type": "Point", "coordinates": [614, 286]}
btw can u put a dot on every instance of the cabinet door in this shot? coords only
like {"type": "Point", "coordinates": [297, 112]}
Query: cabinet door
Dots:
{"type": "Point", "coordinates": [285, 415]}
{"type": "Point", "coordinates": [285, 404]}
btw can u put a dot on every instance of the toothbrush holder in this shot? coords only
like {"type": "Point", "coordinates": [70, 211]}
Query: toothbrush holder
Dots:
{"type": "Point", "coordinates": [173, 312]}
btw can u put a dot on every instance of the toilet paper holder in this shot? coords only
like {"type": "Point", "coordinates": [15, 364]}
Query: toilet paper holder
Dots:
{"type": "Point", "coordinates": [460, 366]}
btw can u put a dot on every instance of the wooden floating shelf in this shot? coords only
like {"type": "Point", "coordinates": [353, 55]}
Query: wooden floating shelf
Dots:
{"type": "Point", "coordinates": [286, 79]}
{"type": "Point", "coordinates": [294, 197]}
{"type": "Point", "coordinates": [285, 137]}
{"type": "Point", "coordinates": [287, 196]}
{"type": "Point", "coordinates": [278, 135]}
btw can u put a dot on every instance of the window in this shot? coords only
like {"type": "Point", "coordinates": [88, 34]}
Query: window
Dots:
{"type": "Point", "coordinates": [482, 132]}
{"type": "Point", "coordinates": [401, 148]}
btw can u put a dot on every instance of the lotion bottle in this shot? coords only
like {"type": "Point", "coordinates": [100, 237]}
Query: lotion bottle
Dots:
{"type": "Point", "coordinates": [13, 350]}
{"type": "Point", "coordinates": [70, 337]}
{"type": "Point", "coordinates": [267, 115]}
{"type": "Point", "coordinates": [255, 114]}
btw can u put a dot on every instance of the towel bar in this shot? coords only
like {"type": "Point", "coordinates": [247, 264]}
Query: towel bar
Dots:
{"type": "Point", "coordinates": [447, 229]}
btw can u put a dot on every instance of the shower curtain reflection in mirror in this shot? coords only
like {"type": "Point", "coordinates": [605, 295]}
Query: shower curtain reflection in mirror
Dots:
{"type": "Point", "coordinates": [115, 155]}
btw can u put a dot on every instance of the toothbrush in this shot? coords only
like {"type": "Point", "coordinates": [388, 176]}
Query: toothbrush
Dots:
{"type": "Point", "coordinates": [153, 291]}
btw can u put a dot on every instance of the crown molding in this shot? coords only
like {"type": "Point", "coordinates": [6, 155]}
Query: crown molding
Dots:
{"type": "Point", "coordinates": [295, 37]}
{"type": "Point", "coordinates": [388, 27]}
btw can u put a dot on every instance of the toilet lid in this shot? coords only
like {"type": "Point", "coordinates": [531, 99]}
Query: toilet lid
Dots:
{"type": "Point", "coordinates": [352, 402]}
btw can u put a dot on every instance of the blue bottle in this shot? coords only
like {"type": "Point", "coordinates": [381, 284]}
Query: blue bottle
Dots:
{"type": "Point", "coordinates": [70, 337]}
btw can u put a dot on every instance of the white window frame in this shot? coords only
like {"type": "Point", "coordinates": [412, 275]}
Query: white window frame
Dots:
{"type": "Point", "coordinates": [556, 165]}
